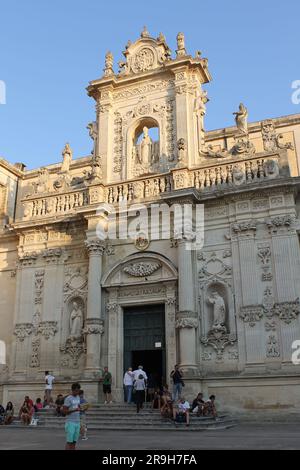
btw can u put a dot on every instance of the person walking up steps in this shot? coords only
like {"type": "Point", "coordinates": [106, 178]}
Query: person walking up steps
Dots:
{"type": "Point", "coordinates": [140, 387]}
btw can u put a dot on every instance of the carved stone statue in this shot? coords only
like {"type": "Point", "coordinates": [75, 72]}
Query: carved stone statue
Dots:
{"type": "Point", "coordinates": [145, 33]}
{"type": "Point", "coordinates": [146, 147]}
{"type": "Point", "coordinates": [181, 151]}
{"type": "Point", "coordinates": [43, 179]}
{"type": "Point", "coordinates": [76, 321]}
{"type": "Point", "coordinates": [241, 119]}
{"type": "Point", "coordinates": [109, 63]}
{"type": "Point", "coordinates": [200, 110]}
{"type": "Point", "coordinates": [180, 45]}
{"type": "Point", "coordinates": [67, 158]}
{"type": "Point", "coordinates": [219, 310]}
{"type": "Point", "coordinates": [93, 133]}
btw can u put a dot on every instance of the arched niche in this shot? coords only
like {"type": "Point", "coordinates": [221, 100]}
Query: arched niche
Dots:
{"type": "Point", "coordinates": [225, 291]}
{"type": "Point", "coordinates": [144, 146]}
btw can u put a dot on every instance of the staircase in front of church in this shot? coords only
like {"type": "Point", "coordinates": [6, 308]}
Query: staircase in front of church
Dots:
{"type": "Point", "coordinates": [118, 416]}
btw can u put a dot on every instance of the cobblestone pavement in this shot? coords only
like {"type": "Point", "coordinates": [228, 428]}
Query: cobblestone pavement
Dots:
{"type": "Point", "coordinates": [243, 436]}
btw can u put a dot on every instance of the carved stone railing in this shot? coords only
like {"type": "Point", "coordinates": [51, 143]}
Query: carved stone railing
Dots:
{"type": "Point", "coordinates": [211, 176]}
{"type": "Point", "coordinates": [140, 189]}
{"type": "Point", "coordinates": [52, 205]}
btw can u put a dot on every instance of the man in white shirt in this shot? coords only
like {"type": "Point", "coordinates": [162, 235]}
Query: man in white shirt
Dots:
{"type": "Point", "coordinates": [128, 384]}
{"type": "Point", "coordinates": [183, 409]}
{"type": "Point", "coordinates": [49, 379]}
{"type": "Point", "coordinates": [139, 371]}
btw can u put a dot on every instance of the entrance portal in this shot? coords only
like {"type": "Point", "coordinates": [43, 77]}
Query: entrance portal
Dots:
{"type": "Point", "coordinates": [144, 341]}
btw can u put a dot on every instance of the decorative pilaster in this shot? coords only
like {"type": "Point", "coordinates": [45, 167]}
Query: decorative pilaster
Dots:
{"type": "Point", "coordinates": [186, 321]}
{"type": "Point", "coordinates": [94, 324]}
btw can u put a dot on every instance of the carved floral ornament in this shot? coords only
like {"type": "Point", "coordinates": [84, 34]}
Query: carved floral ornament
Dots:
{"type": "Point", "coordinates": [142, 268]}
{"type": "Point", "coordinates": [93, 326]}
{"type": "Point", "coordinates": [219, 341]}
{"type": "Point", "coordinates": [285, 311]}
{"type": "Point", "coordinates": [45, 328]}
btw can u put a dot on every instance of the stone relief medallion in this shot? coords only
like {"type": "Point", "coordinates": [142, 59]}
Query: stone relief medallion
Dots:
{"type": "Point", "coordinates": [142, 242]}
{"type": "Point", "coordinates": [143, 60]}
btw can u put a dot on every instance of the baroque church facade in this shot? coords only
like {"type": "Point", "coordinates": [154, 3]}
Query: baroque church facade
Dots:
{"type": "Point", "coordinates": [228, 312]}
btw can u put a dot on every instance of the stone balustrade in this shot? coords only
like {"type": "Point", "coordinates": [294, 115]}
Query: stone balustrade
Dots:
{"type": "Point", "coordinates": [207, 178]}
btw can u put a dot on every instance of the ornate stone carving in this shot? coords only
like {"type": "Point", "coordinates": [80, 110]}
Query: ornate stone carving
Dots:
{"type": "Point", "coordinates": [287, 311]}
{"type": "Point", "coordinates": [272, 346]}
{"type": "Point", "coordinates": [74, 347]}
{"type": "Point", "coordinates": [143, 60]}
{"type": "Point", "coordinates": [35, 352]}
{"type": "Point", "coordinates": [186, 323]}
{"type": "Point", "coordinates": [118, 143]}
{"type": "Point", "coordinates": [243, 146]}
{"type": "Point", "coordinates": [95, 247]}
{"type": "Point", "coordinates": [219, 340]}
{"type": "Point", "coordinates": [112, 306]}
{"type": "Point", "coordinates": [264, 254]}
{"type": "Point", "coordinates": [28, 259]}
{"type": "Point", "coordinates": [93, 326]}
{"type": "Point", "coordinates": [245, 228]}
{"type": "Point", "coordinates": [142, 242]}
{"type": "Point", "coordinates": [39, 284]}
{"type": "Point", "coordinates": [213, 266]}
{"type": "Point", "coordinates": [142, 269]}
{"type": "Point", "coordinates": [211, 153]}
{"type": "Point", "coordinates": [48, 329]}
{"type": "Point", "coordinates": [271, 140]}
{"type": "Point", "coordinates": [23, 330]}
{"type": "Point", "coordinates": [280, 221]}
{"type": "Point", "coordinates": [251, 314]}
{"type": "Point", "coordinates": [52, 255]}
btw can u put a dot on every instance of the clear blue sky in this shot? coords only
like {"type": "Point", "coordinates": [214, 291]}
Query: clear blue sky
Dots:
{"type": "Point", "coordinates": [51, 49]}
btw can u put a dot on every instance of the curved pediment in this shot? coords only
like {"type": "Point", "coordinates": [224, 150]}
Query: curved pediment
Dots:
{"type": "Point", "coordinates": [140, 268]}
{"type": "Point", "coordinates": [145, 54]}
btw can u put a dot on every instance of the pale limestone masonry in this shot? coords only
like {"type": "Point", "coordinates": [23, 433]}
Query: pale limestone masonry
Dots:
{"type": "Point", "coordinates": [231, 309]}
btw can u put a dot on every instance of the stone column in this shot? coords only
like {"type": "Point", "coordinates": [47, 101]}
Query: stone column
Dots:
{"type": "Point", "coordinates": [186, 321]}
{"type": "Point", "coordinates": [94, 323]}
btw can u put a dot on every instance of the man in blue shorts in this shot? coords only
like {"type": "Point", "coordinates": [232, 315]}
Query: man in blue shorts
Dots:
{"type": "Point", "coordinates": [72, 412]}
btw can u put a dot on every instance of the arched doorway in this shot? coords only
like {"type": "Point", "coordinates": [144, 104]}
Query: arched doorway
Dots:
{"type": "Point", "coordinates": [141, 297]}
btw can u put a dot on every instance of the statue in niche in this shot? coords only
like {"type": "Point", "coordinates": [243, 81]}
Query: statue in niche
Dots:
{"type": "Point", "coordinates": [241, 119]}
{"type": "Point", "coordinates": [219, 311]}
{"type": "Point", "coordinates": [67, 158]}
{"type": "Point", "coordinates": [76, 321]}
{"type": "Point", "coordinates": [146, 147]}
